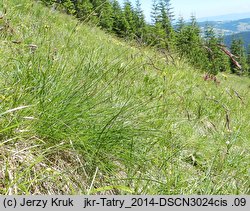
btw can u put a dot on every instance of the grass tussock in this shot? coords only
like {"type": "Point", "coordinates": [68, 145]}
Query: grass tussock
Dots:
{"type": "Point", "coordinates": [84, 113]}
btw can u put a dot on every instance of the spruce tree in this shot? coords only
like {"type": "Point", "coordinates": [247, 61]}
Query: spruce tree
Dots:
{"type": "Point", "coordinates": [84, 9]}
{"type": "Point", "coordinates": [69, 6]}
{"type": "Point", "coordinates": [189, 43]}
{"type": "Point", "coordinates": [166, 21]}
{"type": "Point", "coordinates": [169, 10]}
{"type": "Point", "coordinates": [117, 18]}
{"type": "Point", "coordinates": [238, 50]}
{"type": "Point", "coordinates": [139, 20]}
{"type": "Point", "coordinates": [248, 59]}
{"type": "Point", "coordinates": [164, 17]}
{"type": "Point", "coordinates": [180, 24]}
{"type": "Point", "coordinates": [129, 21]}
{"type": "Point", "coordinates": [162, 31]}
{"type": "Point", "coordinates": [106, 20]}
{"type": "Point", "coordinates": [214, 53]}
{"type": "Point", "coordinates": [155, 13]}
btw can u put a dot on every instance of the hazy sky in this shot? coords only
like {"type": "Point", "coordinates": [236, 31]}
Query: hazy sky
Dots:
{"type": "Point", "coordinates": [201, 8]}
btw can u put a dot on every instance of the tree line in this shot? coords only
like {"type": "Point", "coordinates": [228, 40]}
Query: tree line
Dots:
{"type": "Point", "coordinates": [203, 48]}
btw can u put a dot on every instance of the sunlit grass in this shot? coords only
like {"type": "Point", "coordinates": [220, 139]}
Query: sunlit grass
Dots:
{"type": "Point", "coordinates": [84, 113]}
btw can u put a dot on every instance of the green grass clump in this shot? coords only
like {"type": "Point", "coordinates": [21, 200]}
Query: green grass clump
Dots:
{"type": "Point", "coordinates": [82, 112]}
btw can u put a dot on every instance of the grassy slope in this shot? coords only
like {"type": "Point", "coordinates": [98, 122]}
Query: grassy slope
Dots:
{"type": "Point", "coordinates": [100, 116]}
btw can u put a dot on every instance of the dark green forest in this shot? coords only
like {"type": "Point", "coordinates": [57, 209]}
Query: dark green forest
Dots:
{"type": "Point", "coordinates": [205, 51]}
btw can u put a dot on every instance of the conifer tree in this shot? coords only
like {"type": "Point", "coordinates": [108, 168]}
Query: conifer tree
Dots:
{"type": "Point", "coordinates": [117, 18]}
{"type": "Point", "coordinates": [129, 22]}
{"type": "Point", "coordinates": [196, 45]}
{"type": "Point", "coordinates": [69, 6]}
{"type": "Point", "coordinates": [218, 61]}
{"type": "Point", "coordinates": [106, 20]}
{"type": "Point", "coordinates": [155, 13]}
{"type": "Point", "coordinates": [166, 22]}
{"type": "Point", "coordinates": [164, 17]}
{"type": "Point", "coordinates": [162, 31]}
{"type": "Point", "coordinates": [139, 20]}
{"type": "Point", "coordinates": [248, 59]}
{"type": "Point", "coordinates": [97, 4]}
{"type": "Point", "coordinates": [180, 24]}
{"type": "Point", "coordinates": [97, 10]}
{"type": "Point", "coordinates": [84, 9]}
{"type": "Point", "coordinates": [181, 39]}
{"type": "Point", "coordinates": [189, 42]}
{"type": "Point", "coordinates": [237, 49]}
{"type": "Point", "coordinates": [169, 10]}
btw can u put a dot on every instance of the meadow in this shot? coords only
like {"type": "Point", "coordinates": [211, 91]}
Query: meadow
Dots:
{"type": "Point", "coordinates": [83, 112]}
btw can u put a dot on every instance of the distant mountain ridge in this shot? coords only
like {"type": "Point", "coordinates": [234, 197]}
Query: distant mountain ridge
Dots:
{"type": "Point", "coordinates": [228, 17]}
{"type": "Point", "coordinates": [245, 36]}
{"type": "Point", "coordinates": [228, 27]}
{"type": "Point", "coordinates": [238, 29]}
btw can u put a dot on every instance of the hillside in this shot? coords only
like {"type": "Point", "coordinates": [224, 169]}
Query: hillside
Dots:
{"type": "Point", "coordinates": [227, 17]}
{"type": "Point", "coordinates": [229, 27]}
{"type": "Point", "coordinates": [245, 36]}
{"type": "Point", "coordinates": [82, 112]}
